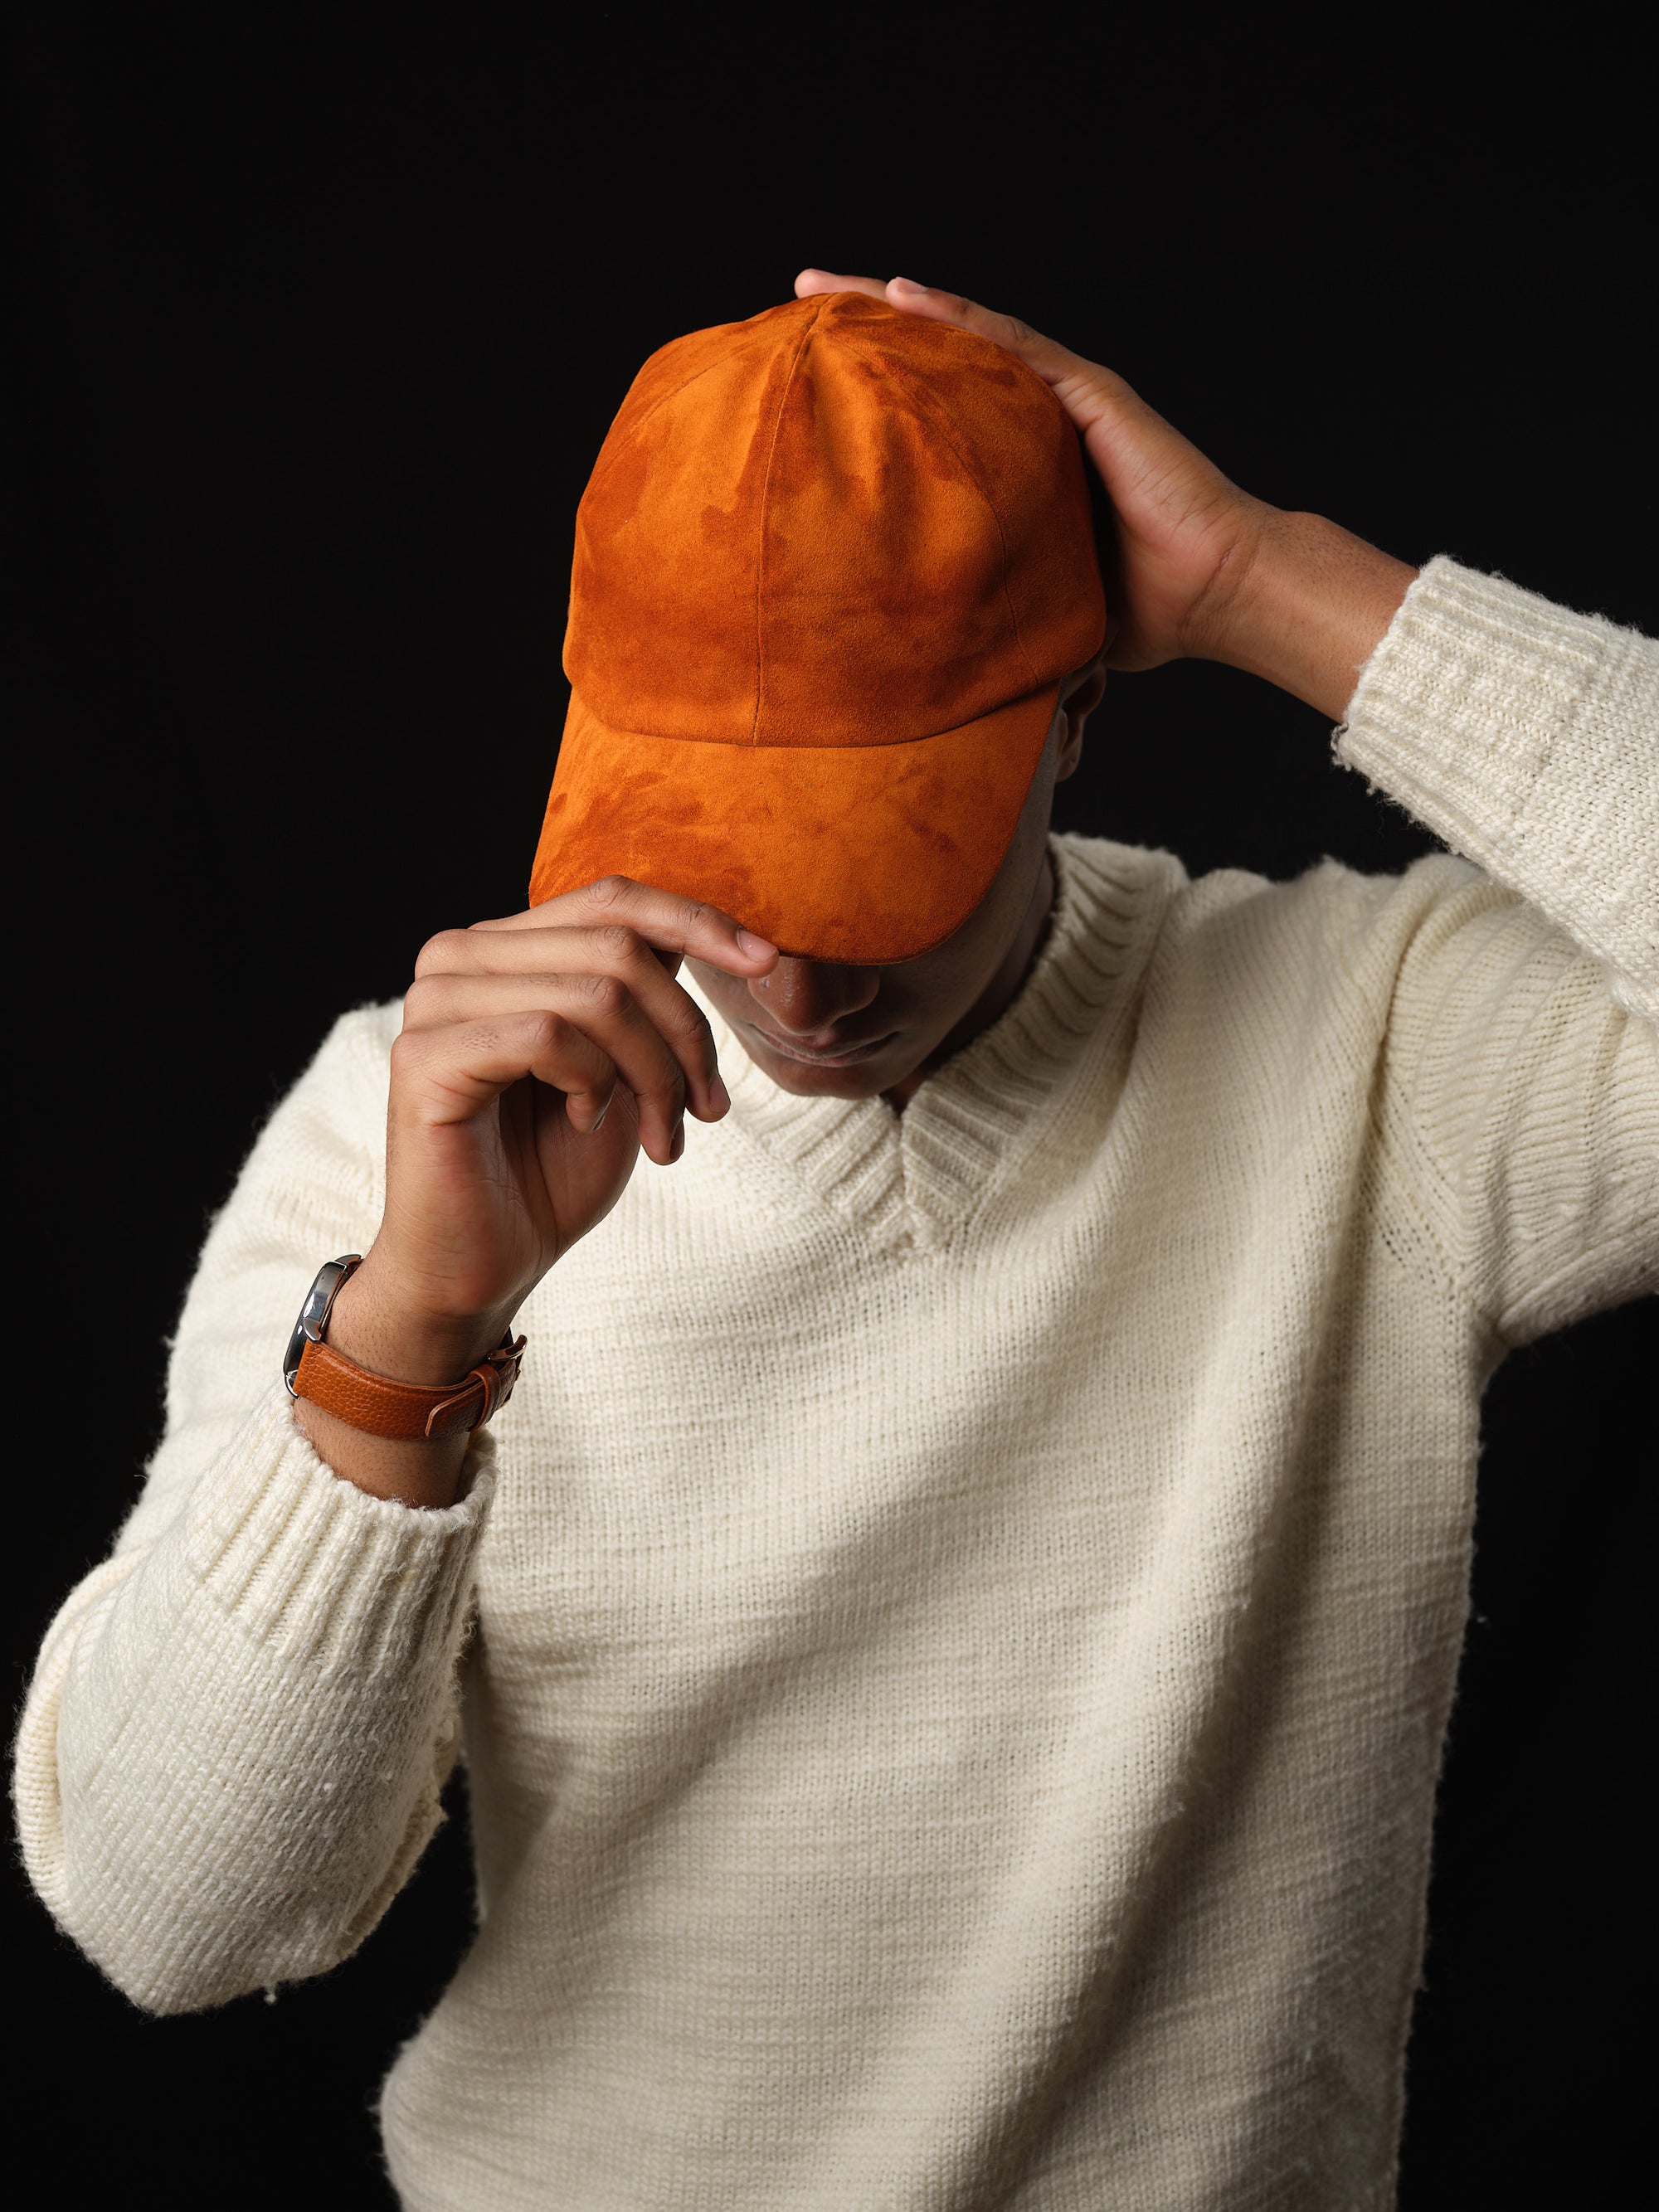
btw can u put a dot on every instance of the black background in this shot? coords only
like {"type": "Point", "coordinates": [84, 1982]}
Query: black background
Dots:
{"type": "Point", "coordinates": [317, 341]}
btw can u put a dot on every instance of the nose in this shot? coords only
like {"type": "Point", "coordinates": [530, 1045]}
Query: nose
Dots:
{"type": "Point", "coordinates": [802, 998]}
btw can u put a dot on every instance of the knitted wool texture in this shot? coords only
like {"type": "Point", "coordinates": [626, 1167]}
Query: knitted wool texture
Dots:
{"type": "Point", "coordinates": [967, 1603]}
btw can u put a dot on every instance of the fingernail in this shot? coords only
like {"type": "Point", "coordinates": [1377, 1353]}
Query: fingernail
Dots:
{"type": "Point", "coordinates": [599, 1119]}
{"type": "Point", "coordinates": [756, 948]}
{"type": "Point", "coordinates": [904, 284]}
{"type": "Point", "coordinates": [719, 1096]}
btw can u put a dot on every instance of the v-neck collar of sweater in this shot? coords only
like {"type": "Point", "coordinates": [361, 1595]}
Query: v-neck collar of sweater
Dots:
{"type": "Point", "coordinates": [908, 1180]}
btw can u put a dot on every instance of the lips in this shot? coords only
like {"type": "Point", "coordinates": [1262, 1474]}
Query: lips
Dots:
{"type": "Point", "coordinates": [840, 1055]}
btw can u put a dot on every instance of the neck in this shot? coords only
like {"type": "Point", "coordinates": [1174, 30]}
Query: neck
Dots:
{"type": "Point", "coordinates": [998, 995]}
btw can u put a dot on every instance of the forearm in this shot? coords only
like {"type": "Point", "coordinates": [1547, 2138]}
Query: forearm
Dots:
{"type": "Point", "coordinates": [1526, 738]}
{"type": "Point", "coordinates": [1311, 604]}
{"type": "Point", "coordinates": [1522, 734]}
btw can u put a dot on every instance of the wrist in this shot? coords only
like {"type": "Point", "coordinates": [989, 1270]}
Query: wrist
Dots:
{"type": "Point", "coordinates": [1311, 606]}
{"type": "Point", "coordinates": [373, 1328]}
{"type": "Point", "coordinates": [376, 1326]}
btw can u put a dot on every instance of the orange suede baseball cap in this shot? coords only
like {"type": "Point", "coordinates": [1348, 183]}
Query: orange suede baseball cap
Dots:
{"type": "Point", "coordinates": [831, 567]}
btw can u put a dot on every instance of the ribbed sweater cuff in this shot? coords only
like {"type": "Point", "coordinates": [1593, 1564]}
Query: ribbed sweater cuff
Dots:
{"type": "Point", "coordinates": [320, 1571]}
{"type": "Point", "coordinates": [1528, 738]}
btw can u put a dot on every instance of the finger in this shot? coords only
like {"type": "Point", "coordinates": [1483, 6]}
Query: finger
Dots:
{"type": "Point", "coordinates": [966, 315]}
{"type": "Point", "coordinates": [665, 920]}
{"type": "Point", "coordinates": [604, 1010]}
{"type": "Point", "coordinates": [1045, 355]}
{"type": "Point", "coordinates": [1091, 393]}
{"type": "Point", "coordinates": [448, 1074]}
{"type": "Point", "coordinates": [1085, 388]}
{"type": "Point", "coordinates": [530, 960]}
{"type": "Point", "coordinates": [1052, 361]}
{"type": "Point", "coordinates": [813, 281]}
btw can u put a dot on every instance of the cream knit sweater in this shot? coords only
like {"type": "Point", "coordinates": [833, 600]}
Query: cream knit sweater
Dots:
{"type": "Point", "coordinates": [966, 1604]}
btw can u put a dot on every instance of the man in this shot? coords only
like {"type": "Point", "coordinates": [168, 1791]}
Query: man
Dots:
{"type": "Point", "coordinates": [964, 1604]}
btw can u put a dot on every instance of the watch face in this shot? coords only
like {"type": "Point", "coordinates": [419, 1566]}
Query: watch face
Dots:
{"type": "Point", "coordinates": [313, 1314]}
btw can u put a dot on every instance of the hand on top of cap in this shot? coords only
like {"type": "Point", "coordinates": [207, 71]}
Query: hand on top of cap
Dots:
{"type": "Point", "coordinates": [1185, 536]}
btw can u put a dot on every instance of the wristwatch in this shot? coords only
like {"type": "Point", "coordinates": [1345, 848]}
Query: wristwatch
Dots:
{"type": "Point", "coordinates": [407, 1412]}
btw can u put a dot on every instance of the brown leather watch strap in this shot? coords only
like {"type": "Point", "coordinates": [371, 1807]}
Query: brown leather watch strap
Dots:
{"type": "Point", "coordinates": [407, 1412]}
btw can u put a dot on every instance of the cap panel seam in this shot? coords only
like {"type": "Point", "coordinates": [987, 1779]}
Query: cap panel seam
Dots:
{"type": "Point", "coordinates": [924, 399]}
{"type": "Point", "coordinates": [604, 465]}
{"type": "Point", "coordinates": [760, 533]}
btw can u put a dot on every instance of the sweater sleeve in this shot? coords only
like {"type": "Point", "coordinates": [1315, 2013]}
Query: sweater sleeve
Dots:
{"type": "Point", "coordinates": [1520, 1097]}
{"type": "Point", "coordinates": [230, 1755]}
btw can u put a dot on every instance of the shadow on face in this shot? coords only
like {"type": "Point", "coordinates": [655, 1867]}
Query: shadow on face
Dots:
{"type": "Point", "coordinates": [822, 1030]}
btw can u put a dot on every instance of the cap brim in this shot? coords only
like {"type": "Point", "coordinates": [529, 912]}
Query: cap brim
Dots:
{"type": "Point", "coordinates": [862, 853]}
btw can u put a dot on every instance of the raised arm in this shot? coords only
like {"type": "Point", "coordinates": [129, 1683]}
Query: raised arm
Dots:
{"type": "Point", "coordinates": [1519, 1091]}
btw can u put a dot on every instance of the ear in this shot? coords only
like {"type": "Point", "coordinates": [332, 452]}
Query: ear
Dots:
{"type": "Point", "coordinates": [1079, 697]}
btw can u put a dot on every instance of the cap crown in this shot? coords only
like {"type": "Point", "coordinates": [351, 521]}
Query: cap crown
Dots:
{"type": "Point", "coordinates": [833, 523]}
